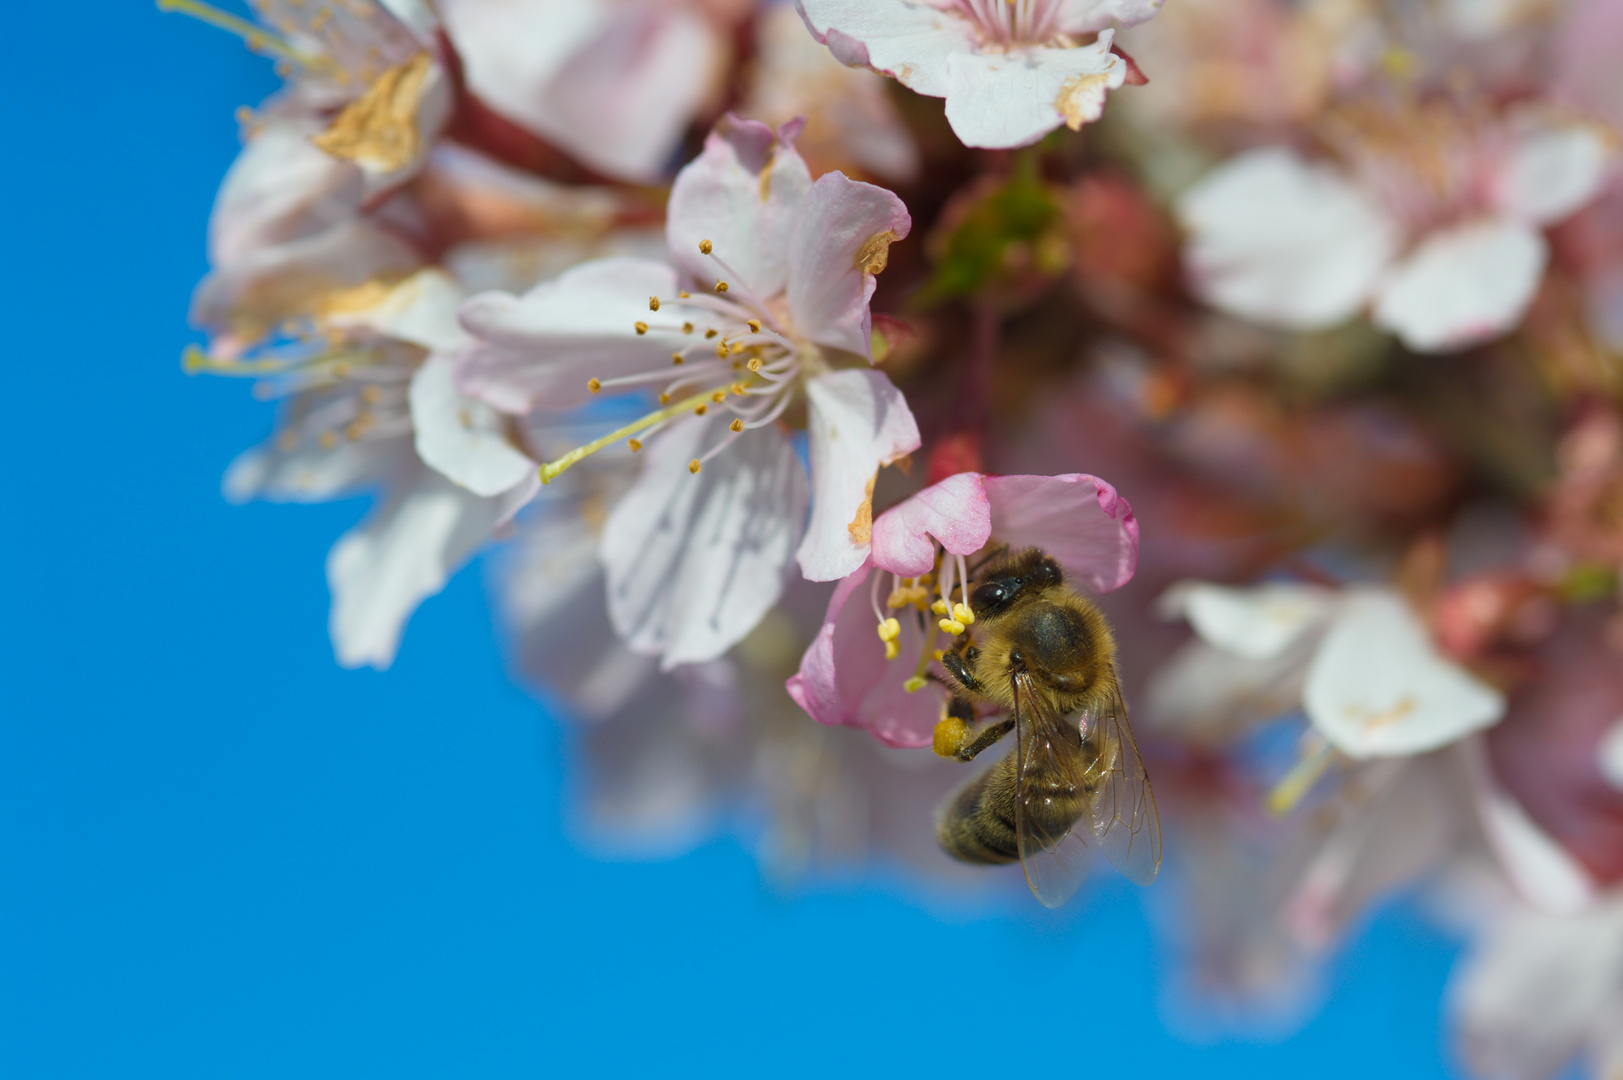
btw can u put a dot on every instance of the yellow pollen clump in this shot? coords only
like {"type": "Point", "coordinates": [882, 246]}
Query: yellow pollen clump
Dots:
{"type": "Point", "coordinates": [687, 328]}
{"type": "Point", "coordinates": [951, 626]}
{"type": "Point", "coordinates": [736, 426]}
{"type": "Point", "coordinates": [939, 607]}
{"type": "Point", "coordinates": [755, 326]}
{"type": "Point", "coordinates": [653, 303]}
{"type": "Point", "coordinates": [721, 286]}
{"type": "Point", "coordinates": [642, 328]}
{"type": "Point", "coordinates": [915, 684]}
{"type": "Point", "coordinates": [962, 613]}
{"type": "Point", "coordinates": [719, 396]}
{"type": "Point", "coordinates": [676, 358]}
{"type": "Point", "coordinates": [874, 255]}
{"type": "Point", "coordinates": [379, 129]}
{"type": "Point", "coordinates": [701, 410]}
{"type": "Point", "coordinates": [710, 333]}
{"type": "Point", "coordinates": [593, 385]}
{"type": "Point", "coordinates": [693, 466]}
{"type": "Point", "coordinates": [705, 247]}
{"type": "Point", "coordinates": [890, 630]}
{"type": "Point", "coordinates": [755, 364]}
{"type": "Point", "coordinates": [950, 735]}
{"type": "Point", "coordinates": [635, 444]}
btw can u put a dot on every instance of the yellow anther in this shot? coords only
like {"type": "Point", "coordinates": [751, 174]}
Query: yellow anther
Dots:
{"type": "Point", "coordinates": [754, 364]}
{"type": "Point", "coordinates": [915, 684]}
{"type": "Point", "coordinates": [721, 350]}
{"type": "Point", "coordinates": [635, 444]}
{"type": "Point", "coordinates": [653, 303]}
{"type": "Point", "coordinates": [892, 650]}
{"type": "Point", "coordinates": [736, 426]}
{"type": "Point", "coordinates": [664, 399]}
{"type": "Point", "coordinates": [705, 247]}
{"type": "Point", "coordinates": [676, 358]}
{"type": "Point", "coordinates": [755, 326]}
{"type": "Point", "coordinates": [593, 385]}
{"type": "Point", "coordinates": [939, 607]}
{"type": "Point", "coordinates": [687, 328]}
{"type": "Point", "coordinates": [642, 328]}
{"type": "Point", "coordinates": [372, 394]}
{"type": "Point", "coordinates": [951, 626]}
{"type": "Point", "coordinates": [694, 466]}
{"type": "Point", "coordinates": [721, 286]}
{"type": "Point", "coordinates": [962, 613]}
{"type": "Point", "coordinates": [939, 655]}
{"type": "Point", "coordinates": [950, 735]}
{"type": "Point", "coordinates": [737, 389]}
{"type": "Point", "coordinates": [719, 396]}
{"type": "Point", "coordinates": [701, 410]}
{"type": "Point", "coordinates": [890, 630]}
{"type": "Point", "coordinates": [735, 348]}
{"type": "Point", "coordinates": [683, 294]}
{"type": "Point", "coordinates": [328, 440]}
{"type": "Point", "coordinates": [710, 333]}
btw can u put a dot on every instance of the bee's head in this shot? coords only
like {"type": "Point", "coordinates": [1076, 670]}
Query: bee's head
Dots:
{"type": "Point", "coordinates": [1015, 577]}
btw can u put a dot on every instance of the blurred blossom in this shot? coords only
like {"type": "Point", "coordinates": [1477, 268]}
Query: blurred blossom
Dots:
{"type": "Point", "coordinates": [1011, 71]}
{"type": "Point", "coordinates": [1437, 226]}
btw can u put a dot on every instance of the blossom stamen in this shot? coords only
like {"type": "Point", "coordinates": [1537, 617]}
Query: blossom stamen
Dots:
{"type": "Point", "coordinates": [257, 38]}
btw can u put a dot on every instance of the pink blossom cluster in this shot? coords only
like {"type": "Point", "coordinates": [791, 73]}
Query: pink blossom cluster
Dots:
{"type": "Point", "coordinates": [744, 333]}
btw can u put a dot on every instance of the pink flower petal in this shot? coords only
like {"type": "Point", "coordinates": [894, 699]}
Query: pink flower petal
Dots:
{"type": "Point", "coordinates": [842, 238]}
{"type": "Point", "coordinates": [743, 194]}
{"type": "Point", "coordinates": [844, 678]}
{"type": "Point", "coordinates": [954, 513]}
{"type": "Point", "coordinates": [1076, 518]}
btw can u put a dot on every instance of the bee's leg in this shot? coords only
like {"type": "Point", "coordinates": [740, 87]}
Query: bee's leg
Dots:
{"type": "Point", "coordinates": [956, 667]}
{"type": "Point", "coordinates": [955, 736]}
{"type": "Point", "coordinates": [989, 735]}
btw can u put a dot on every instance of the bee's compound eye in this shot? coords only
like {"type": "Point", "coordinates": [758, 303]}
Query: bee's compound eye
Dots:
{"type": "Point", "coordinates": [993, 593]}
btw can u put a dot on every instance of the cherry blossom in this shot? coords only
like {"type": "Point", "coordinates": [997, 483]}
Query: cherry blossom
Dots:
{"type": "Point", "coordinates": [371, 404]}
{"type": "Point", "coordinates": [1011, 70]}
{"type": "Point", "coordinates": [769, 292]}
{"type": "Point", "coordinates": [1437, 227]}
{"type": "Point", "coordinates": [849, 676]}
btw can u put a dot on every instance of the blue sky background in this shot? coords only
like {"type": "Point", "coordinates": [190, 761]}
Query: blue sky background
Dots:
{"type": "Point", "coordinates": [222, 856]}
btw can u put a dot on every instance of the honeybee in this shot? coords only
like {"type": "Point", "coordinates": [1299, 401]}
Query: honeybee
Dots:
{"type": "Point", "coordinates": [1046, 657]}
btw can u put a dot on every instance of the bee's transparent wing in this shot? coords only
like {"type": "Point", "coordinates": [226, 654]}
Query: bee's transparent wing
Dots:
{"type": "Point", "coordinates": [1122, 812]}
{"type": "Point", "coordinates": [1053, 854]}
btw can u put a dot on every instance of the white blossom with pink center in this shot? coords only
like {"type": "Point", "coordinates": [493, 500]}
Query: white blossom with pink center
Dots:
{"type": "Point", "coordinates": [1011, 70]}
{"type": "Point", "coordinates": [851, 676]}
{"type": "Point", "coordinates": [766, 307]}
{"type": "Point", "coordinates": [1436, 224]}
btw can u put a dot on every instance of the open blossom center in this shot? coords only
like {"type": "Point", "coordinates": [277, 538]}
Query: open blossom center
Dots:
{"type": "Point", "coordinates": [909, 598]}
{"type": "Point", "coordinates": [743, 361]}
{"type": "Point", "coordinates": [1005, 24]}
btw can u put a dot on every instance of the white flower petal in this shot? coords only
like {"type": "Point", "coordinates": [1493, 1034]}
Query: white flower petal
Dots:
{"type": "Point", "coordinates": [421, 310]}
{"type": "Point", "coordinates": [1256, 623]}
{"type": "Point", "coordinates": [461, 437]}
{"type": "Point", "coordinates": [1014, 98]}
{"type": "Point", "coordinates": [280, 188]}
{"type": "Point", "coordinates": [906, 39]}
{"type": "Point", "coordinates": [403, 553]}
{"type": "Point", "coordinates": [1284, 243]}
{"type": "Point", "coordinates": [1209, 694]}
{"type": "Point", "coordinates": [539, 350]}
{"type": "Point", "coordinates": [1463, 286]}
{"type": "Point", "coordinates": [1088, 16]}
{"type": "Point", "coordinates": [1609, 755]}
{"type": "Point", "coordinates": [694, 561]}
{"type": "Point", "coordinates": [1530, 996]}
{"type": "Point", "coordinates": [1377, 687]}
{"type": "Point", "coordinates": [744, 194]}
{"type": "Point", "coordinates": [1540, 868]}
{"type": "Point", "coordinates": [858, 422]}
{"type": "Point", "coordinates": [842, 236]}
{"type": "Point", "coordinates": [1553, 170]}
{"type": "Point", "coordinates": [311, 473]}
{"type": "Point", "coordinates": [613, 84]}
